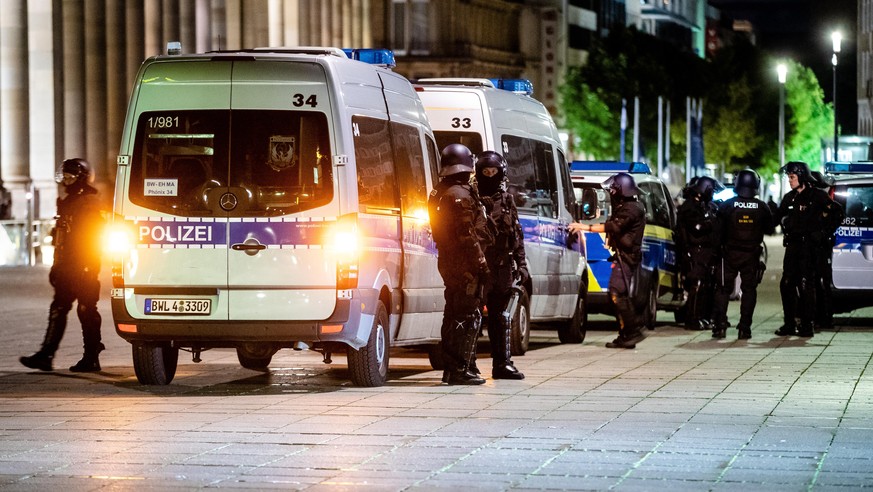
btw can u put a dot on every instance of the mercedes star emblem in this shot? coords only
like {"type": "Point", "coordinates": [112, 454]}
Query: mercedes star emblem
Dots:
{"type": "Point", "coordinates": [228, 201]}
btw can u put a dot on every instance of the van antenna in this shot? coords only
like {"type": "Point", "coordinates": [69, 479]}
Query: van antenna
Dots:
{"type": "Point", "coordinates": [219, 42]}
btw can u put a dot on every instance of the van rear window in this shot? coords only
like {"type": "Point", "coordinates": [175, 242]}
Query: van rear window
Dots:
{"type": "Point", "coordinates": [857, 201]}
{"type": "Point", "coordinates": [271, 162]}
{"type": "Point", "coordinates": [471, 140]}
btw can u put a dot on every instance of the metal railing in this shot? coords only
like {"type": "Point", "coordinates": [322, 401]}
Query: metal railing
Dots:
{"type": "Point", "coordinates": [26, 243]}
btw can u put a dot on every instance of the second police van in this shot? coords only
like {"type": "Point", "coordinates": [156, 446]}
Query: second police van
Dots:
{"type": "Point", "coordinates": [275, 198]}
{"type": "Point", "coordinates": [501, 115]}
{"type": "Point", "coordinates": [659, 249]}
{"type": "Point", "coordinates": [852, 258]}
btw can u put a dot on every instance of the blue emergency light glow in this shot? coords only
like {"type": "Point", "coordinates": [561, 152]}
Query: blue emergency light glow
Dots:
{"type": "Point", "coordinates": [611, 166]}
{"type": "Point", "coordinates": [518, 86]}
{"type": "Point", "coordinates": [381, 57]}
{"type": "Point", "coordinates": [865, 167]}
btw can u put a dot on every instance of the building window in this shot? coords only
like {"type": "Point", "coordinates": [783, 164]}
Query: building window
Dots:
{"type": "Point", "coordinates": [410, 27]}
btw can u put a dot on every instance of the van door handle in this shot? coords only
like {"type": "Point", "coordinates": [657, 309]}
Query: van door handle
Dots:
{"type": "Point", "coordinates": [250, 246]}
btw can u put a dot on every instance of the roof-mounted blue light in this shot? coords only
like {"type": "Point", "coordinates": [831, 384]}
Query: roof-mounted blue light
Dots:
{"type": "Point", "coordinates": [380, 57]}
{"type": "Point", "coordinates": [865, 167]}
{"type": "Point", "coordinates": [611, 166]}
{"type": "Point", "coordinates": [518, 86]}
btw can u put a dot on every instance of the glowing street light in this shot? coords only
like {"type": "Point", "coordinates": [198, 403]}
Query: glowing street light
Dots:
{"type": "Point", "coordinates": [836, 37]}
{"type": "Point", "coordinates": [781, 72]}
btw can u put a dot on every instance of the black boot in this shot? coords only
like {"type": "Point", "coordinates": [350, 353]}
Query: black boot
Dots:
{"type": "Point", "coordinates": [629, 331]}
{"type": "Point", "coordinates": [466, 338]}
{"type": "Point", "coordinates": [805, 330]}
{"type": "Point", "coordinates": [787, 330]}
{"type": "Point", "coordinates": [90, 361]}
{"type": "Point", "coordinates": [39, 360]}
{"type": "Point", "coordinates": [745, 332]}
{"type": "Point", "coordinates": [54, 332]}
{"type": "Point", "coordinates": [500, 333]}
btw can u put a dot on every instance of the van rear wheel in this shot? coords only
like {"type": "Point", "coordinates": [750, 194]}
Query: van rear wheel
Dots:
{"type": "Point", "coordinates": [154, 364]}
{"type": "Point", "coordinates": [519, 334]}
{"type": "Point", "coordinates": [369, 364]}
{"type": "Point", "coordinates": [574, 331]}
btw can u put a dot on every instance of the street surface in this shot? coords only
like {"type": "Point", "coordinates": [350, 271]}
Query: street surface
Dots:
{"type": "Point", "coordinates": [680, 412]}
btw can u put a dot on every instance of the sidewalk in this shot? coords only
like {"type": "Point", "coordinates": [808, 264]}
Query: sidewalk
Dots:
{"type": "Point", "coordinates": [680, 412]}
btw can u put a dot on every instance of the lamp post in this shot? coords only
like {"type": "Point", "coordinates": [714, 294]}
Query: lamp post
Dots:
{"type": "Point", "coordinates": [781, 72]}
{"type": "Point", "coordinates": [836, 37]}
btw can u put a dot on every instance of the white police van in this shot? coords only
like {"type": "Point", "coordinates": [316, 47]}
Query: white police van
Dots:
{"type": "Point", "coordinates": [852, 258]}
{"type": "Point", "coordinates": [275, 198]}
{"type": "Point", "coordinates": [659, 249]}
{"type": "Point", "coordinates": [501, 115]}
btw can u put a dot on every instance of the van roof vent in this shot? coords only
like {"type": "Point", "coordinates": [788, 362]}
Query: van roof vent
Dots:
{"type": "Point", "coordinates": [300, 50]}
{"type": "Point", "coordinates": [457, 81]}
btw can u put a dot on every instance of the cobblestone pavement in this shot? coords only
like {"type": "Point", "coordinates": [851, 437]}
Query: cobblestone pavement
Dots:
{"type": "Point", "coordinates": [680, 412]}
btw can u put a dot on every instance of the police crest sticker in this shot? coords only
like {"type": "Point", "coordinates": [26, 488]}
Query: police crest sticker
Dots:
{"type": "Point", "coordinates": [283, 152]}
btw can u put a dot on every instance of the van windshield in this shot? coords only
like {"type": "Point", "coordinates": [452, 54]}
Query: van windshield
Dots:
{"type": "Point", "coordinates": [272, 162]}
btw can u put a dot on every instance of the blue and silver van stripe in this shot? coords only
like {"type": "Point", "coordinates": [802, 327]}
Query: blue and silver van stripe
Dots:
{"type": "Point", "coordinates": [850, 238]}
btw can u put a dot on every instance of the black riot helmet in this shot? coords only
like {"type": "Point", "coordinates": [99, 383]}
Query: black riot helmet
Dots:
{"type": "Point", "coordinates": [490, 171]}
{"type": "Point", "coordinates": [819, 180]}
{"type": "Point", "coordinates": [798, 168]}
{"type": "Point", "coordinates": [74, 171]}
{"type": "Point", "coordinates": [747, 184]}
{"type": "Point", "coordinates": [705, 187]}
{"type": "Point", "coordinates": [622, 185]}
{"type": "Point", "coordinates": [687, 190]}
{"type": "Point", "coordinates": [454, 159]}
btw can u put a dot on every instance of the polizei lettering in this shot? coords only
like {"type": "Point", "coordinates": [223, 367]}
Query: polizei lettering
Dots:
{"type": "Point", "coordinates": [175, 233]}
{"type": "Point", "coordinates": [746, 204]}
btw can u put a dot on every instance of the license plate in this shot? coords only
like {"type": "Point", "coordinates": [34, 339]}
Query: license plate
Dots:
{"type": "Point", "coordinates": [178, 306]}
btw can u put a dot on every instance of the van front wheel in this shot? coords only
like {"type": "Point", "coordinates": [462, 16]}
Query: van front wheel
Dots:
{"type": "Point", "coordinates": [369, 364]}
{"type": "Point", "coordinates": [519, 334]}
{"type": "Point", "coordinates": [154, 364]}
{"type": "Point", "coordinates": [574, 331]}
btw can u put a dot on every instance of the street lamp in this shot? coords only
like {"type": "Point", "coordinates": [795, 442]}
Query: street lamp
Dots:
{"type": "Point", "coordinates": [781, 72]}
{"type": "Point", "coordinates": [836, 37]}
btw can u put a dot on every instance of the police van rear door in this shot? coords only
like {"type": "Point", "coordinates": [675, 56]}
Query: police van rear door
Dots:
{"type": "Point", "coordinates": [282, 218]}
{"type": "Point", "coordinates": [853, 248]}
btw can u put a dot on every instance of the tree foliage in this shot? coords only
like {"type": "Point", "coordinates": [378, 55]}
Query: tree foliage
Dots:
{"type": "Point", "coordinates": [810, 119]}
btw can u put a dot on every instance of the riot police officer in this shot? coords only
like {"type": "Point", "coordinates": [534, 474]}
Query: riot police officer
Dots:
{"type": "Point", "coordinates": [75, 269]}
{"type": "Point", "coordinates": [803, 214]}
{"type": "Point", "coordinates": [624, 232]}
{"type": "Point", "coordinates": [824, 313]}
{"type": "Point", "coordinates": [744, 220]}
{"type": "Point", "coordinates": [462, 236]}
{"type": "Point", "coordinates": [506, 260]}
{"type": "Point", "coordinates": [697, 240]}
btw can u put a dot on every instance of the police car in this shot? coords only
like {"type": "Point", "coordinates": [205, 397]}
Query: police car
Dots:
{"type": "Point", "coordinates": [501, 115]}
{"type": "Point", "coordinates": [659, 249]}
{"type": "Point", "coordinates": [853, 248]}
{"type": "Point", "coordinates": [274, 198]}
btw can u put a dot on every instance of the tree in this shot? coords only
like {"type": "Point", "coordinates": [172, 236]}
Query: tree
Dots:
{"type": "Point", "coordinates": [729, 130]}
{"type": "Point", "coordinates": [811, 120]}
{"type": "Point", "coordinates": [595, 126]}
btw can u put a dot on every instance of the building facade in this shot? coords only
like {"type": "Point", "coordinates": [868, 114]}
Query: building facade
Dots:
{"type": "Point", "coordinates": [865, 68]}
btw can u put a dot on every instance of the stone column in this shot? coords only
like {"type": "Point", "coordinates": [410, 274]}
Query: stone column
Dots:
{"type": "Point", "coordinates": [366, 35]}
{"type": "Point", "coordinates": [95, 89]}
{"type": "Point", "coordinates": [169, 24]}
{"type": "Point", "coordinates": [291, 22]}
{"type": "Point", "coordinates": [14, 135]}
{"type": "Point", "coordinates": [203, 21]}
{"type": "Point", "coordinates": [42, 103]}
{"type": "Point", "coordinates": [74, 79]}
{"type": "Point", "coordinates": [219, 25]}
{"type": "Point", "coordinates": [305, 23]}
{"type": "Point", "coordinates": [116, 86]}
{"type": "Point", "coordinates": [275, 16]}
{"type": "Point", "coordinates": [187, 26]}
{"type": "Point", "coordinates": [233, 23]}
{"type": "Point", "coordinates": [134, 31]}
{"type": "Point", "coordinates": [153, 31]}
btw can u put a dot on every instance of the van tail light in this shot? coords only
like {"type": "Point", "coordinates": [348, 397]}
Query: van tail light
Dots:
{"type": "Point", "coordinates": [345, 242]}
{"type": "Point", "coordinates": [117, 276]}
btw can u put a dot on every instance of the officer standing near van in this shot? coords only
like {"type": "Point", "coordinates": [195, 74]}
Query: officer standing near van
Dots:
{"type": "Point", "coordinates": [506, 259]}
{"type": "Point", "coordinates": [824, 313]}
{"type": "Point", "coordinates": [77, 233]}
{"type": "Point", "coordinates": [744, 220]}
{"type": "Point", "coordinates": [697, 239]}
{"type": "Point", "coordinates": [624, 233]}
{"type": "Point", "coordinates": [462, 236]}
{"type": "Point", "coordinates": [804, 213]}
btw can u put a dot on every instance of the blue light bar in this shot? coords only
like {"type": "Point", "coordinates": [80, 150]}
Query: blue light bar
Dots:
{"type": "Point", "coordinates": [865, 167]}
{"type": "Point", "coordinates": [518, 86]}
{"type": "Point", "coordinates": [611, 166]}
{"type": "Point", "coordinates": [381, 57]}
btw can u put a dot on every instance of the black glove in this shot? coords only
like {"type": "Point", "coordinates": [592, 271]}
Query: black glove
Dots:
{"type": "Point", "coordinates": [523, 275]}
{"type": "Point", "coordinates": [483, 267]}
{"type": "Point", "coordinates": [487, 201]}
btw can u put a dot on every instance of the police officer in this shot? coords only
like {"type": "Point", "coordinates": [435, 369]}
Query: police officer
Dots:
{"type": "Point", "coordinates": [824, 313]}
{"type": "Point", "coordinates": [462, 236]}
{"type": "Point", "coordinates": [744, 220]}
{"type": "Point", "coordinates": [506, 259]}
{"type": "Point", "coordinates": [697, 240]}
{"type": "Point", "coordinates": [74, 272]}
{"type": "Point", "coordinates": [803, 214]}
{"type": "Point", "coordinates": [624, 232]}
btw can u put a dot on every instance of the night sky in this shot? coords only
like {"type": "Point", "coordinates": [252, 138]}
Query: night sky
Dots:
{"type": "Point", "coordinates": [801, 30]}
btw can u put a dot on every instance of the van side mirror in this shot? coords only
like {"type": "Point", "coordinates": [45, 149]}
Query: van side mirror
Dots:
{"type": "Point", "coordinates": [588, 205]}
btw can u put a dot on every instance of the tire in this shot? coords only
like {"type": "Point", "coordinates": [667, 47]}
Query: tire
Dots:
{"type": "Point", "coordinates": [574, 330]}
{"type": "Point", "coordinates": [154, 364]}
{"type": "Point", "coordinates": [435, 355]}
{"type": "Point", "coordinates": [369, 364]}
{"type": "Point", "coordinates": [519, 333]}
{"type": "Point", "coordinates": [650, 315]}
{"type": "Point", "coordinates": [255, 356]}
